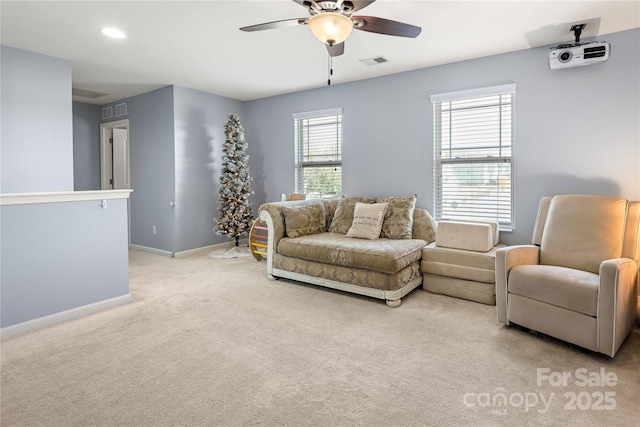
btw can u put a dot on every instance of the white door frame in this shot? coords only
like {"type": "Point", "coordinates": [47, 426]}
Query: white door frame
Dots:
{"type": "Point", "coordinates": [105, 150]}
{"type": "Point", "coordinates": [105, 160]}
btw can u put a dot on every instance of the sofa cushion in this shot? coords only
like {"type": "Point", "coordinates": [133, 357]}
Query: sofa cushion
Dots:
{"type": "Point", "coordinates": [367, 220]}
{"type": "Point", "coordinates": [482, 260]}
{"type": "Point", "coordinates": [459, 271]}
{"type": "Point", "coordinates": [471, 236]}
{"type": "Point", "coordinates": [357, 277]}
{"type": "Point", "coordinates": [460, 264]}
{"type": "Point", "coordinates": [302, 220]}
{"type": "Point", "coordinates": [568, 288]}
{"type": "Point", "coordinates": [460, 288]}
{"type": "Point", "coordinates": [398, 221]}
{"type": "Point", "coordinates": [383, 255]}
{"type": "Point", "coordinates": [343, 216]}
{"type": "Point", "coordinates": [495, 226]}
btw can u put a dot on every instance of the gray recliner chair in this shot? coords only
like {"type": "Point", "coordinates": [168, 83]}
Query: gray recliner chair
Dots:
{"type": "Point", "coordinates": [579, 280]}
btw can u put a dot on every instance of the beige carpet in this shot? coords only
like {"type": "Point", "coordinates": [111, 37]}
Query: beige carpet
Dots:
{"type": "Point", "coordinates": [212, 342]}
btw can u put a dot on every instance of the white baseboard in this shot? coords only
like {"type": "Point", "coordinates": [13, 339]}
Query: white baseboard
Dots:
{"type": "Point", "coordinates": [151, 250]}
{"type": "Point", "coordinates": [187, 253]}
{"type": "Point", "coordinates": [73, 313]}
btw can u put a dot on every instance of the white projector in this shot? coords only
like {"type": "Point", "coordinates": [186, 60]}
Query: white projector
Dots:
{"type": "Point", "coordinates": [576, 55]}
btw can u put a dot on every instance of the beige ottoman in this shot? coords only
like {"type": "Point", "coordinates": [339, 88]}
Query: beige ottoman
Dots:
{"type": "Point", "coordinates": [461, 262]}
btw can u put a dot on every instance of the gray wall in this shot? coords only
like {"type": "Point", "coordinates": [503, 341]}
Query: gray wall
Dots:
{"type": "Point", "coordinates": [58, 256]}
{"type": "Point", "coordinates": [577, 130]}
{"type": "Point", "coordinates": [199, 136]}
{"type": "Point", "coordinates": [55, 256]}
{"type": "Point", "coordinates": [86, 146]}
{"type": "Point", "coordinates": [176, 137]}
{"type": "Point", "coordinates": [151, 151]}
{"type": "Point", "coordinates": [36, 89]}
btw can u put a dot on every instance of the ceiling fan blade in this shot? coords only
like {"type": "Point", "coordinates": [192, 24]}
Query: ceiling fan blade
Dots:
{"type": "Point", "coordinates": [276, 24]}
{"type": "Point", "coordinates": [357, 4]}
{"type": "Point", "coordinates": [336, 49]}
{"type": "Point", "coordinates": [302, 2]}
{"type": "Point", "coordinates": [360, 4]}
{"type": "Point", "coordinates": [385, 26]}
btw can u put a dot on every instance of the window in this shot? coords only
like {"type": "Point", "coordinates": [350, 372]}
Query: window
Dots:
{"type": "Point", "coordinates": [473, 154]}
{"type": "Point", "coordinates": [318, 152]}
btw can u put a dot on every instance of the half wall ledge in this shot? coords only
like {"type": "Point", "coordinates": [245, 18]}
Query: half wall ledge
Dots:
{"type": "Point", "coordinates": [63, 255]}
{"type": "Point", "coordinates": [62, 196]}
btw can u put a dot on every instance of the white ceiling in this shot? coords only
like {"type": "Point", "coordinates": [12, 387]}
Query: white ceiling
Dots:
{"type": "Point", "coordinates": [197, 44]}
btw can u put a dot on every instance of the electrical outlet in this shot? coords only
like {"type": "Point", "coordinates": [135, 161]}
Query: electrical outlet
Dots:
{"type": "Point", "coordinates": [154, 230]}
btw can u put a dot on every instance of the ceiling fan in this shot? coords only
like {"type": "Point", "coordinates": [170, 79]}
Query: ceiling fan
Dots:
{"type": "Point", "coordinates": [331, 22]}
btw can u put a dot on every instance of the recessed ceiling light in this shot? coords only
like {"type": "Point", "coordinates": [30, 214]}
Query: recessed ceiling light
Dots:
{"type": "Point", "coordinates": [112, 32]}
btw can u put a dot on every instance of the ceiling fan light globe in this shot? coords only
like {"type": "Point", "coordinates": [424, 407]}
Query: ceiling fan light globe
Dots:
{"type": "Point", "coordinates": [330, 27]}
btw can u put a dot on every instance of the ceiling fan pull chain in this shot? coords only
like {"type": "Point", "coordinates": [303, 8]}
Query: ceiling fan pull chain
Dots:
{"type": "Point", "coordinates": [330, 64]}
{"type": "Point", "coordinates": [330, 70]}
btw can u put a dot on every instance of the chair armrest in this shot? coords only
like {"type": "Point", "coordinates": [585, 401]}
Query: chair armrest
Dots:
{"type": "Point", "coordinates": [506, 259]}
{"type": "Point", "coordinates": [617, 301]}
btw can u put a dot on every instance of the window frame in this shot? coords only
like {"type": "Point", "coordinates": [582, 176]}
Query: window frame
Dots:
{"type": "Point", "coordinates": [440, 163]}
{"type": "Point", "coordinates": [299, 150]}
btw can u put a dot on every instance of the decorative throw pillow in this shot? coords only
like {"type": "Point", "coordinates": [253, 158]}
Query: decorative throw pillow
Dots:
{"type": "Point", "coordinates": [343, 217]}
{"type": "Point", "coordinates": [367, 220]}
{"type": "Point", "coordinates": [398, 221]}
{"type": "Point", "coordinates": [424, 226]}
{"type": "Point", "coordinates": [303, 220]}
{"type": "Point", "coordinates": [329, 209]}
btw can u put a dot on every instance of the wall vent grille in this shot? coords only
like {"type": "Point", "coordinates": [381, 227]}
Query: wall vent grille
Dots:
{"type": "Point", "coordinates": [121, 109]}
{"type": "Point", "coordinates": [107, 113]}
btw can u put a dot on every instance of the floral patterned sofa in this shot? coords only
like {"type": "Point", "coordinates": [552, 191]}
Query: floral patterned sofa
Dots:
{"type": "Point", "coordinates": [311, 241]}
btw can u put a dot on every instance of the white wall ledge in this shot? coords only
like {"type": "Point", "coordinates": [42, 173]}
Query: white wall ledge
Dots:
{"type": "Point", "coordinates": [61, 197]}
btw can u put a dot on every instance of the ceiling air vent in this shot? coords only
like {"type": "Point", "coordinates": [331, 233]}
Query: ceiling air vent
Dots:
{"type": "Point", "coordinates": [83, 93]}
{"type": "Point", "coordinates": [374, 61]}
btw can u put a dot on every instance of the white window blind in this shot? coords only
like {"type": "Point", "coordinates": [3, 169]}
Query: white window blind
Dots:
{"type": "Point", "coordinates": [473, 154]}
{"type": "Point", "coordinates": [318, 152]}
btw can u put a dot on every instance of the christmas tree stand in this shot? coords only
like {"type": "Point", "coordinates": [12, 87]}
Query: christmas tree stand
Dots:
{"type": "Point", "coordinates": [242, 250]}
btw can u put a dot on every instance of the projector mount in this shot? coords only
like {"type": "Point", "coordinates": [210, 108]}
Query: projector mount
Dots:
{"type": "Point", "coordinates": [577, 32]}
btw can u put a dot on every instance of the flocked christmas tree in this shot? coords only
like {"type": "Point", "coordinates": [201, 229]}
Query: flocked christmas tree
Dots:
{"type": "Point", "coordinates": [234, 204]}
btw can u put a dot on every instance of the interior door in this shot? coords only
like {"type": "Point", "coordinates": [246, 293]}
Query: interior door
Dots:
{"type": "Point", "coordinates": [120, 165]}
{"type": "Point", "coordinates": [114, 155]}
{"type": "Point", "coordinates": [115, 169]}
